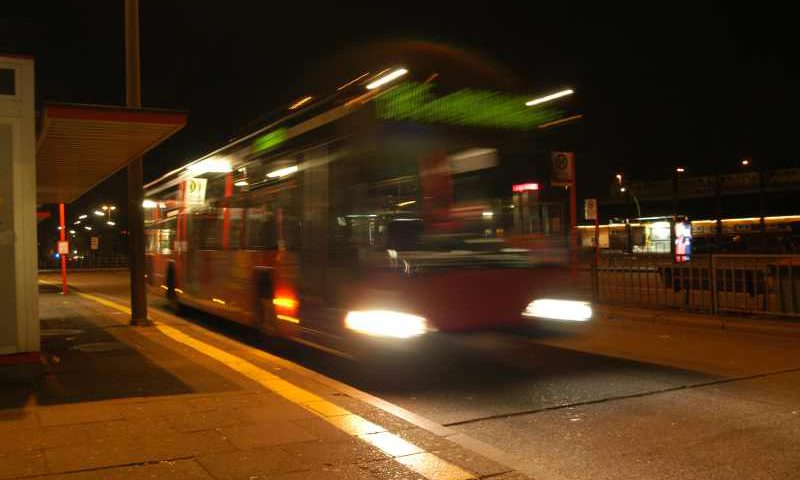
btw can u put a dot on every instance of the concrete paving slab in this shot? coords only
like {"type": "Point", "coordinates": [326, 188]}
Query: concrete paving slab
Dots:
{"type": "Point", "coordinates": [266, 434]}
{"type": "Point", "coordinates": [78, 413]}
{"type": "Point", "coordinates": [343, 472]}
{"type": "Point", "coordinates": [22, 463]}
{"type": "Point", "coordinates": [46, 437]}
{"type": "Point", "coordinates": [259, 463]}
{"type": "Point", "coordinates": [323, 454]}
{"type": "Point", "coordinates": [199, 421]}
{"type": "Point", "coordinates": [133, 449]}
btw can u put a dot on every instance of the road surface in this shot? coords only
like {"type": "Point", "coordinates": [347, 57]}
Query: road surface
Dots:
{"type": "Point", "coordinates": [608, 400]}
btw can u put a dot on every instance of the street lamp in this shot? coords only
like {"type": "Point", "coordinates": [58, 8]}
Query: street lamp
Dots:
{"type": "Point", "coordinates": [679, 170]}
{"type": "Point", "coordinates": [107, 209]}
{"type": "Point", "coordinates": [762, 202]}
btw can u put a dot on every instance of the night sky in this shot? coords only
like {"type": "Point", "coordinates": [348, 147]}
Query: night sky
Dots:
{"type": "Point", "coordinates": [660, 85]}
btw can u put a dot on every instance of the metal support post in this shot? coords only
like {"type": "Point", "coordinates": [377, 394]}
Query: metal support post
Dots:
{"type": "Point", "coordinates": [133, 94]}
{"type": "Point", "coordinates": [62, 256]}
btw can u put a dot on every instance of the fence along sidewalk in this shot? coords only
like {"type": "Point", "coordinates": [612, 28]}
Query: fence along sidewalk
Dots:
{"type": "Point", "coordinates": [768, 284]}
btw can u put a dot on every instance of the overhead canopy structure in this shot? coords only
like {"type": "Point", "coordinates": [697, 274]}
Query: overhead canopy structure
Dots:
{"type": "Point", "coordinates": [79, 146]}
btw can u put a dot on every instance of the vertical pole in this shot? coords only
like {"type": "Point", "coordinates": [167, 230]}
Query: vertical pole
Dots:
{"type": "Point", "coordinates": [63, 256]}
{"type": "Point", "coordinates": [762, 203]}
{"type": "Point", "coordinates": [573, 219]}
{"type": "Point", "coordinates": [597, 237]}
{"type": "Point", "coordinates": [596, 262]}
{"type": "Point", "coordinates": [672, 236]}
{"type": "Point", "coordinates": [226, 212]}
{"type": "Point", "coordinates": [133, 98]}
{"type": "Point", "coordinates": [718, 197]}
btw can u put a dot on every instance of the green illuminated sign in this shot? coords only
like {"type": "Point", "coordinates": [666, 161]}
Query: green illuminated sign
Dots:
{"type": "Point", "coordinates": [269, 140]}
{"type": "Point", "coordinates": [479, 108]}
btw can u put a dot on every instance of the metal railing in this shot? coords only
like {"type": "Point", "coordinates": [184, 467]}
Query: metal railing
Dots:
{"type": "Point", "coordinates": [104, 261]}
{"type": "Point", "coordinates": [768, 284]}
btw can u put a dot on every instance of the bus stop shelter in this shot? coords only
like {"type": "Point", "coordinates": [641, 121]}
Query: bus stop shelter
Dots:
{"type": "Point", "coordinates": [79, 146]}
{"type": "Point", "coordinates": [75, 147]}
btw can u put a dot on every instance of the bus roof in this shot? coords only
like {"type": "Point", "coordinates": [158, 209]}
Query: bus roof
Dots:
{"type": "Point", "coordinates": [408, 101]}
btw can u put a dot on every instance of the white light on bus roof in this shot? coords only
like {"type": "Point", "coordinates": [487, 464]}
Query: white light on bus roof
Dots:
{"type": "Point", "coordinates": [241, 183]}
{"type": "Point", "coordinates": [393, 75]}
{"type": "Point", "coordinates": [209, 165]}
{"type": "Point", "coordinates": [149, 204]}
{"type": "Point", "coordinates": [282, 172]}
{"type": "Point", "coordinates": [547, 98]}
{"type": "Point", "coordinates": [301, 102]}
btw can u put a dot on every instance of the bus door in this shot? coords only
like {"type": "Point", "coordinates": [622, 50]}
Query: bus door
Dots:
{"type": "Point", "coordinates": [314, 256]}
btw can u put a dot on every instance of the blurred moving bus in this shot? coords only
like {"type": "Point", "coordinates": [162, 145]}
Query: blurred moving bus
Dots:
{"type": "Point", "coordinates": [367, 216]}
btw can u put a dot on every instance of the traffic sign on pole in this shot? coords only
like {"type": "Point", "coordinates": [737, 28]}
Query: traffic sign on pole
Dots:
{"type": "Point", "coordinates": [590, 209]}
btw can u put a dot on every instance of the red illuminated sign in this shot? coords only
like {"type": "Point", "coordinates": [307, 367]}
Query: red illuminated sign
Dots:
{"type": "Point", "coordinates": [524, 187]}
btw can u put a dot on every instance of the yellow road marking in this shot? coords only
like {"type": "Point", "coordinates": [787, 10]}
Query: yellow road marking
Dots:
{"type": "Point", "coordinates": [406, 453]}
{"type": "Point", "coordinates": [430, 466]}
{"type": "Point", "coordinates": [391, 444]}
{"type": "Point", "coordinates": [355, 425]}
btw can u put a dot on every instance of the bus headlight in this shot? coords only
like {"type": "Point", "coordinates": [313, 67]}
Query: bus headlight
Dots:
{"type": "Point", "coordinates": [569, 310]}
{"type": "Point", "coordinates": [385, 323]}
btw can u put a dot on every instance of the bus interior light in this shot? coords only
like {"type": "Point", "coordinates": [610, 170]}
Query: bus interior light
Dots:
{"type": "Point", "coordinates": [385, 323]}
{"type": "Point", "coordinates": [569, 310]}
{"type": "Point", "coordinates": [282, 172]}
{"type": "Point", "coordinates": [241, 183]}
{"type": "Point", "coordinates": [146, 203]}
{"type": "Point", "coordinates": [209, 165]}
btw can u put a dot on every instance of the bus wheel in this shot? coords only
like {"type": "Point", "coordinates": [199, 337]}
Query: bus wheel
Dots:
{"type": "Point", "coordinates": [172, 295]}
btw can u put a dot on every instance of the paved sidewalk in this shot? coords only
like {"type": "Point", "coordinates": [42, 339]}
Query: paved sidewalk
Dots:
{"type": "Point", "coordinates": [772, 325]}
{"type": "Point", "coordinates": [175, 401]}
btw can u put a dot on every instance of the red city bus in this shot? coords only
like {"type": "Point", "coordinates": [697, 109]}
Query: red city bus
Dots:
{"type": "Point", "coordinates": [384, 217]}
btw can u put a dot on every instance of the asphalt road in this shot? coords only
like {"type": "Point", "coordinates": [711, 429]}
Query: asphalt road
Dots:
{"type": "Point", "coordinates": [608, 400]}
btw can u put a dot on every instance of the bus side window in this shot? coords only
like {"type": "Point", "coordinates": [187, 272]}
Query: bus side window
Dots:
{"type": "Point", "coordinates": [208, 229]}
{"type": "Point", "coordinates": [260, 229]}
